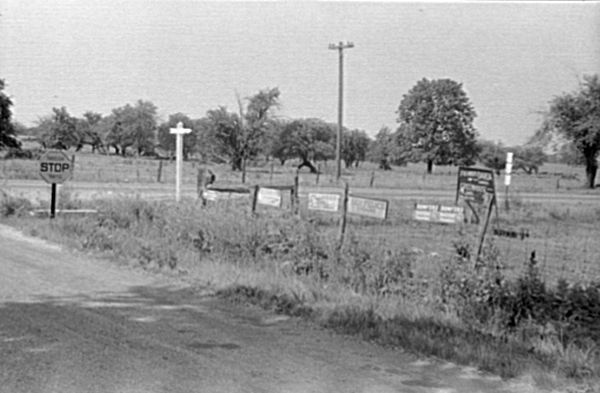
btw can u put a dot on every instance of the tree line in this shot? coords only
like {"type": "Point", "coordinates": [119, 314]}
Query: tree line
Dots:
{"type": "Point", "coordinates": [435, 126]}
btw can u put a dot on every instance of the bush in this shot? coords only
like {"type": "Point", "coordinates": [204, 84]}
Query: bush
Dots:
{"type": "Point", "coordinates": [11, 205]}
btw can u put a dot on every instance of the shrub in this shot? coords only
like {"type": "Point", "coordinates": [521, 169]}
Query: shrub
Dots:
{"type": "Point", "coordinates": [11, 205]}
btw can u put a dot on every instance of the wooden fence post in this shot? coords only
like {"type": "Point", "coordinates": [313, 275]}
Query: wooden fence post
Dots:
{"type": "Point", "coordinates": [160, 165]}
{"type": "Point", "coordinates": [485, 226]}
{"type": "Point", "coordinates": [296, 194]}
{"type": "Point", "coordinates": [372, 179]}
{"type": "Point", "coordinates": [254, 199]}
{"type": "Point", "coordinates": [318, 172]}
{"type": "Point", "coordinates": [343, 220]}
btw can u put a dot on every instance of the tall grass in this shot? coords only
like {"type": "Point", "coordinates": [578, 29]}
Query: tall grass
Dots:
{"type": "Point", "coordinates": [459, 308]}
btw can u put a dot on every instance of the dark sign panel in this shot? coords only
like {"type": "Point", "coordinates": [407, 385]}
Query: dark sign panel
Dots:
{"type": "Point", "coordinates": [475, 185]}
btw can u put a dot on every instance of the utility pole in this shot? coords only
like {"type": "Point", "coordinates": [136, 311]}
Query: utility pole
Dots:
{"type": "Point", "coordinates": [338, 148]}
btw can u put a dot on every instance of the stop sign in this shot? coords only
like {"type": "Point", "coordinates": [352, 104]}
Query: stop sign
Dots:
{"type": "Point", "coordinates": [55, 167]}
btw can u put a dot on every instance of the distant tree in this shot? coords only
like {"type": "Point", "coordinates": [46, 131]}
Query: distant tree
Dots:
{"type": "Point", "coordinates": [355, 145]}
{"type": "Point", "coordinates": [238, 136]}
{"type": "Point", "coordinates": [569, 154]}
{"type": "Point", "coordinates": [436, 116]}
{"type": "Point", "coordinates": [58, 130]}
{"type": "Point", "coordinates": [306, 139]}
{"type": "Point", "coordinates": [166, 140]}
{"type": "Point", "coordinates": [7, 130]}
{"type": "Point", "coordinates": [492, 155]}
{"type": "Point", "coordinates": [576, 116]}
{"type": "Point", "coordinates": [386, 150]}
{"type": "Point", "coordinates": [529, 158]}
{"type": "Point", "coordinates": [89, 133]}
{"type": "Point", "coordinates": [133, 126]}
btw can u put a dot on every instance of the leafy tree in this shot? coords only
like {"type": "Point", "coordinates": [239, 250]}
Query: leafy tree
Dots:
{"type": "Point", "coordinates": [89, 133]}
{"type": "Point", "coordinates": [384, 149]}
{"type": "Point", "coordinates": [355, 145]}
{"type": "Point", "coordinates": [437, 118]}
{"type": "Point", "coordinates": [238, 136]}
{"type": "Point", "coordinates": [166, 140]}
{"type": "Point", "coordinates": [306, 139]}
{"type": "Point", "coordinates": [492, 155]}
{"type": "Point", "coordinates": [133, 126]}
{"type": "Point", "coordinates": [7, 130]}
{"type": "Point", "coordinates": [58, 130]}
{"type": "Point", "coordinates": [529, 158]}
{"type": "Point", "coordinates": [576, 116]}
{"type": "Point", "coordinates": [569, 155]}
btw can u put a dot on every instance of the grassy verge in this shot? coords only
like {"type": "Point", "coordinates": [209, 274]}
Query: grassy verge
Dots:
{"type": "Point", "coordinates": [460, 309]}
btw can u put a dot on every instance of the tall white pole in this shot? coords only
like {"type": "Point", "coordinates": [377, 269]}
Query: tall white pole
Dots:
{"type": "Point", "coordinates": [179, 132]}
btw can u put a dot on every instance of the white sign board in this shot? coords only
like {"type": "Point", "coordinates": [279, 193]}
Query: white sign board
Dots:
{"type": "Point", "coordinates": [324, 202]}
{"type": "Point", "coordinates": [56, 167]}
{"type": "Point", "coordinates": [269, 197]}
{"type": "Point", "coordinates": [375, 208]}
{"type": "Point", "coordinates": [212, 195]}
{"type": "Point", "coordinates": [438, 213]}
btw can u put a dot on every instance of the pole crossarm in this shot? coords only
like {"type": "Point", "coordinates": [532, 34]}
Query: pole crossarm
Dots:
{"type": "Point", "coordinates": [340, 47]}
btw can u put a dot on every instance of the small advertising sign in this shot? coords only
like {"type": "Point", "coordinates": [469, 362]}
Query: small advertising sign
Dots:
{"type": "Point", "coordinates": [376, 208]}
{"type": "Point", "coordinates": [324, 202]}
{"type": "Point", "coordinates": [475, 185]}
{"type": "Point", "coordinates": [269, 197]}
{"type": "Point", "coordinates": [439, 214]}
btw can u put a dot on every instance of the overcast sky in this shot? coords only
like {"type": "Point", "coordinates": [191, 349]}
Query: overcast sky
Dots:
{"type": "Point", "coordinates": [192, 56]}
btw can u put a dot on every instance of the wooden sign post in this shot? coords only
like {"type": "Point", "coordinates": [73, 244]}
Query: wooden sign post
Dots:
{"type": "Point", "coordinates": [179, 132]}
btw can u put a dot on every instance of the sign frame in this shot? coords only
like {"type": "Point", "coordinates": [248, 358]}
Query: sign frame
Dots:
{"type": "Point", "coordinates": [368, 200]}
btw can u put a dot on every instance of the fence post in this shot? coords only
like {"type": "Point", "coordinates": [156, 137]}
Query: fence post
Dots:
{"type": "Point", "coordinates": [271, 177]}
{"type": "Point", "coordinates": [254, 199]}
{"type": "Point", "coordinates": [372, 179]}
{"type": "Point", "coordinates": [485, 226]}
{"type": "Point", "coordinates": [158, 176]}
{"type": "Point", "coordinates": [318, 172]}
{"type": "Point", "coordinates": [296, 194]}
{"type": "Point", "coordinates": [343, 220]}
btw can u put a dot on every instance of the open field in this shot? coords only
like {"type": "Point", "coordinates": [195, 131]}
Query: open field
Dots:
{"type": "Point", "coordinates": [399, 281]}
{"type": "Point", "coordinates": [553, 208]}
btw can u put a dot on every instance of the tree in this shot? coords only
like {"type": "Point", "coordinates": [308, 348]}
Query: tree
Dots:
{"type": "Point", "coordinates": [355, 145]}
{"type": "Point", "coordinates": [133, 126]}
{"type": "Point", "coordinates": [7, 131]}
{"type": "Point", "coordinates": [89, 133]}
{"type": "Point", "coordinates": [529, 158]}
{"type": "Point", "coordinates": [58, 130]}
{"type": "Point", "coordinates": [437, 118]}
{"type": "Point", "coordinates": [306, 139]}
{"type": "Point", "coordinates": [238, 136]}
{"type": "Point", "coordinates": [576, 116]}
{"type": "Point", "coordinates": [492, 155]}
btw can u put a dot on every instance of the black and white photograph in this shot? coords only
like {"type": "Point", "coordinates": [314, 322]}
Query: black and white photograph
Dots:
{"type": "Point", "coordinates": [299, 196]}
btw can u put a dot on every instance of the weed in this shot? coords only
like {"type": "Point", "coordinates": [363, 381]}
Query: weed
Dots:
{"type": "Point", "coordinates": [11, 205]}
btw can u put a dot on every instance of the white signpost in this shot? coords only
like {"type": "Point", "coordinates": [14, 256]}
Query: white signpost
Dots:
{"type": "Point", "coordinates": [509, 164]}
{"type": "Point", "coordinates": [179, 132]}
{"type": "Point", "coordinates": [55, 168]}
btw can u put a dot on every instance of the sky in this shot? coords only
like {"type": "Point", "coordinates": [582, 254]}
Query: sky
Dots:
{"type": "Point", "coordinates": [190, 56]}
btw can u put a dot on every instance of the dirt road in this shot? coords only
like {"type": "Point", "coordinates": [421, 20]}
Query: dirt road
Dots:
{"type": "Point", "coordinates": [70, 323]}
